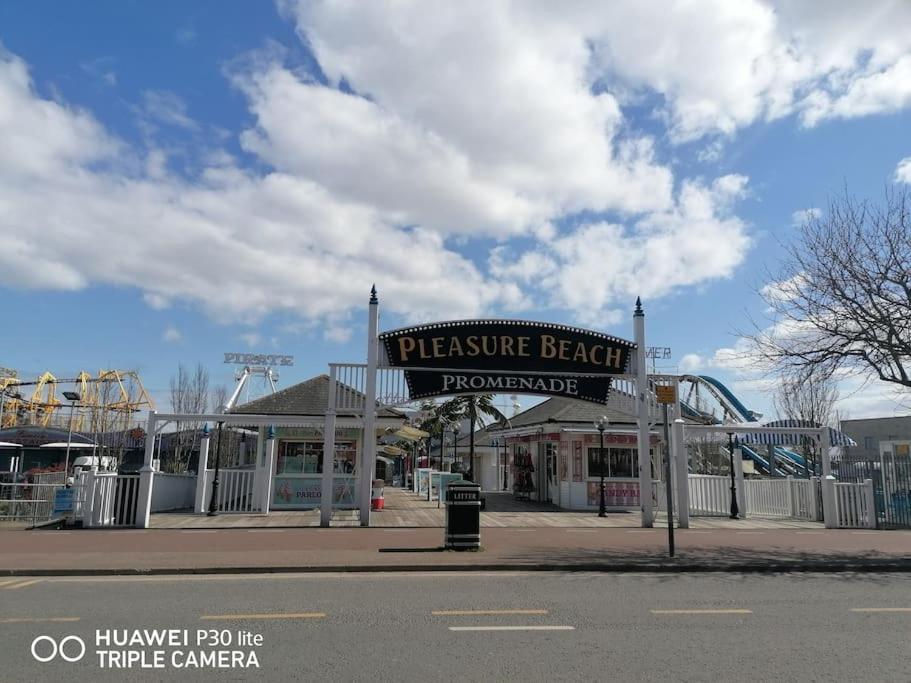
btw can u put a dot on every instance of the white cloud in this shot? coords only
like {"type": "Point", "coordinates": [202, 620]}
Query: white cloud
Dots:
{"type": "Point", "coordinates": [251, 339]}
{"type": "Point", "coordinates": [691, 363]}
{"type": "Point", "coordinates": [166, 107]}
{"type": "Point", "coordinates": [903, 171]}
{"type": "Point", "coordinates": [171, 335]}
{"type": "Point", "coordinates": [799, 218]}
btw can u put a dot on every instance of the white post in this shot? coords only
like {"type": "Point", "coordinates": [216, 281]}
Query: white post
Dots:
{"type": "Point", "coordinates": [326, 495]}
{"type": "Point", "coordinates": [202, 472]}
{"type": "Point", "coordinates": [829, 513]}
{"type": "Point", "coordinates": [813, 501]}
{"type": "Point", "coordinates": [268, 471]}
{"type": "Point", "coordinates": [869, 505]}
{"type": "Point", "coordinates": [368, 459]}
{"type": "Point", "coordinates": [793, 503]}
{"type": "Point", "coordinates": [88, 501]}
{"type": "Point", "coordinates": [146, 473]}
{"type": "Point", "coordinates": [825, 448]}
{"type": "Point", "coordinates": [678, 440]}
{"type": "Point", "coordinates": [644, 441]}
{"type": "Point", "coordinates": [741, 488]}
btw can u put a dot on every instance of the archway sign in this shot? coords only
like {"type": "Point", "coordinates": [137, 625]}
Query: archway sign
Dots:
{"type": "Point", "coordinates": [497, 356]}
{"type": "Point", "coordinates": [505, 356]}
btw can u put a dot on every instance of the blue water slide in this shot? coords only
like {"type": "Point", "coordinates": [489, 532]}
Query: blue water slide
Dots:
{"type": "Point", "coordinates": [745, 413]}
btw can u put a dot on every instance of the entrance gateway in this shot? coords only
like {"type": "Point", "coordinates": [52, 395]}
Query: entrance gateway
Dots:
{"type": "Point", "coordinates": [473, 356]}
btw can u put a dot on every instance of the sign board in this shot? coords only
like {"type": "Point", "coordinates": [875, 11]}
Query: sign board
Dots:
{"type": "Point", "coordinates": [63, 500]}
{"type": "Point", "coordinates": [658, 352]}
{"type": "Point", "coordinates": [666, 394]}
{"type": "Point", "coordinates": [505, 356]}
{"type": "Point", "coordinates": [300, 493]}
{"type": "Point", "coordinates": [269, 359]}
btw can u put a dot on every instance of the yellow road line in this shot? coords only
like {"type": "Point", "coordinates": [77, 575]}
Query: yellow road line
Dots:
{"type": "Point", "coordinates": [288, 615]}
{"type": "Point", "coordinates": [22, 585]}
{"type": "Point", "coordinates": [701, 611]}
{"type": "Point", "coordinates": [472, 612]}
{"type": "Point", "coordinates": [36, 620]}
{"type": "Point", "coordinates": [9, 581]}
{"type": "Point", "coordinates": [881, 609]}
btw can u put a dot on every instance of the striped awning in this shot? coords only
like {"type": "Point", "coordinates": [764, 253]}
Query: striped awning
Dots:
{"type": "Point", "coordinates": [836, 437]}
{"type": "Point", "coordinates": [411, 433]}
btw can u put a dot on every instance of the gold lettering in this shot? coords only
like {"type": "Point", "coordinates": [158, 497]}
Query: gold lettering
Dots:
{"type": "Point", "coordinates": [523, 346]}
{"type": "Point", "coordinates": [564, 349]}
{"type": "Point", "coordinates": [548, 349]}
{"type": "Point", "coordinates": [506, 346]}
{"type": "Point", "coordinates": [406, 346]}
{"type": "Point", "coordinates": [455, 347]}
{"type": "Point", "coordinates": [472, 344]}
{"type": "Point", "coordinates": [613, 357]}
{"type": "Point", "coordinates": [438, 347]}
{"type": "Point", "coordinates": [594, 350]}
{"type": "Point", "coordinates": [491, 351]}
{"type": "Point", "coordinates": [422, 351]}
{"type": "Point", "coordinates": [580, 353]}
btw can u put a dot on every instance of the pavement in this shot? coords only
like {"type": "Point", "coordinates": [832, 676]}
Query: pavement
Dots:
{"type": "Point", "coordinates": [478, 626]}
{"type": "Point", "coordinates": [162, 551]}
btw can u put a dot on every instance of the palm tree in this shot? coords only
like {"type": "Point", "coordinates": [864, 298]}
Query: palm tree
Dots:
{"type": "Point", "coordinates": [475, 407]}
{"type": "Point", "coordinates": [434, 421]}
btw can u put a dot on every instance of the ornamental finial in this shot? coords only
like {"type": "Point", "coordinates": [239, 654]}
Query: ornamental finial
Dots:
{"type": "Point", "coordinates": [639, 310]}
{"type": "Point", "coordinates": [373, 299]}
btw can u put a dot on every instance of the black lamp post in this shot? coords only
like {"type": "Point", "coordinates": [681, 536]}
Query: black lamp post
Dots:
{"type": "Point", "coordinates": [505, 465]}
{"type": "Point", "coordinates": [72, 397]}
{"type": "Point", "coordinates": [213, 501]}
{"type": "Point", "coordinates": [455, 444]}
{"type": "Point", "coordinates": [735, 511]}
{"type": "Point", "coordinates": [601, 425]}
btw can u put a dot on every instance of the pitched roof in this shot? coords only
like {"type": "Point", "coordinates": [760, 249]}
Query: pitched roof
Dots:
{"type": "Point", "coordinates": [568, 410]}
{"type": "Point", "coordinates": [309, 398]}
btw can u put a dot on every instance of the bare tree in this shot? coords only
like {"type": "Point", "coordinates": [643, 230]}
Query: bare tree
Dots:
{"type": "Point", "coordinates": [219, 398]}
{"type": "Point", "coordinates": [809, 397]}
{"type": "Point", "coordinates": [189, 395]}
{"type": "Point", "coordinates": [842, 299]}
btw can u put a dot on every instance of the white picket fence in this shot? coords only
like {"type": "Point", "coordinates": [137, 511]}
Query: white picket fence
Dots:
{"type": "Point", "coordinates": [854, 505]}
{"type": "Point", "coordinates": [235, 490]}
{"type": "Point", "coordinates": [173, 491]}
{"type": "Point", "coordinates": [710, 496]}
{"type": "Point", "coordinates": [110, 499]}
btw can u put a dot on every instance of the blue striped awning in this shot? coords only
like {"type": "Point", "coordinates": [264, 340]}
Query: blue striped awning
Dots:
{"type": "Point", "coordinates": [836, 437]}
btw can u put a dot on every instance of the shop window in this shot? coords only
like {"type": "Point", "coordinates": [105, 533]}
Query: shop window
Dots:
{"type": "Point", "coordinates": [618, 462]}
{"type": "Point", "coordinates": [306, 457]}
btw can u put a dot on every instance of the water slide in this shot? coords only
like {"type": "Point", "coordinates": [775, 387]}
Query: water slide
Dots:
{"type": "Point", "coordinates": [786, 460]}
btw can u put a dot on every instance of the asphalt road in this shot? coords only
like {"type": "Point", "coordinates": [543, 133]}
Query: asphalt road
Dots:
{"type": "Point", "coordinates": [471, 626]}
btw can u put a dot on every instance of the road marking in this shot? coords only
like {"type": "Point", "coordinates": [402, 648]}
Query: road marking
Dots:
{"type": "Point", "coordinates": [36, 620]}
{"type": "Point", "coordinates": [288, 615]}
{"type": "Point", "coordinates": [467, 612]}
{"type": "Point", "coordinates": [512, 628]}
{"type": "Point", "coordinates": [811, 533]}
{"type": "Point", "coordinates": [15, 586]}
{"type": "Point", "coordinates": [264, 531]}
{"type": "Point", "coordinates": [581, 531]}
{"type": "Point", "coordinates": [290, 576]}
{"type": "Point", "coordinates": [881, 609]}
{"type": "Point", "coordinates": [9, 581]}
{"type": "Point", "coordinates": [701, 611]}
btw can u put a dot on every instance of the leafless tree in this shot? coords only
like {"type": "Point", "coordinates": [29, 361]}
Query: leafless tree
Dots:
{"type": "Point", "coordinates": [219, 398]}
{"type": "Point", "coordinates": [809, 397]}
{"type": "Point", "coordinates": [842, 300]}
{"type": "Point", "coordinates": [189, 395]}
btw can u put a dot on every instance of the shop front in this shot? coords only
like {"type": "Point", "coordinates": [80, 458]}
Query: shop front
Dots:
{"type": "Point", "coordinates": [297, 481]}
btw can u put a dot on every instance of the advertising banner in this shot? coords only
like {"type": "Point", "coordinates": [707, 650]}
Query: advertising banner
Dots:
{"type": "Point", "coordinates": [616, 493]}
{"type": "Point", "coordinates": [301, 493]}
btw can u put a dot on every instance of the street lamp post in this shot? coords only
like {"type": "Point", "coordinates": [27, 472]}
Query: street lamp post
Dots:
{"type": "Point", "coordinates": [455, 444]}
{"type": "Point", "coordinates": [735, 511]}
{"type": "Point", "coordinates": [72, 397]}
{"type": "Point", "coordinates": [505, 465]}
{"type": "Point", "coordinates": [213, 501]}
{"type": "Point", "coordinates": [601, 425]}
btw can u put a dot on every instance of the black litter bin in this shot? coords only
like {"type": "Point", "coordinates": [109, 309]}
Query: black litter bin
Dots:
{"type": "Point", "coordinates": [463, 516]}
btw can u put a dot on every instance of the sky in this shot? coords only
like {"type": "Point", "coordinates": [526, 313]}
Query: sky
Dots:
{"type": "Point", "coordinates": [182, 179]}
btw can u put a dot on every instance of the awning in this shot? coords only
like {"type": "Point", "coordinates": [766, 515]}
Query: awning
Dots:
{"type": "Point", "coordinates": [7, 444]}
{"type": "Point", "coordinates": [411, 433]}
{"type": "Point", "coordinates": [836, 438]}
{"type": "Point", "coordinates": [392, 450]}
{"type": "Point", "coordinates": [63, 444]}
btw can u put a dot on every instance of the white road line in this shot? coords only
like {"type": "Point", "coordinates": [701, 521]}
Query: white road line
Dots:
{"type": "Point", "coordinates": [485, 612]}
{"type": "Point", "coordinates": [701, 611]}
{"type": "Point", "coordinates": [512, 628]}
{"type": "Point", "coordinates": [881, 609]}
{"type": "Point", "coordinates": [14, 586]}
{"type": "Point", "coordinates": [289, 615]}
{"type": "Point", "coordinates": [37, 620]}
{"type": "Point", "coordinates": [265, 531]}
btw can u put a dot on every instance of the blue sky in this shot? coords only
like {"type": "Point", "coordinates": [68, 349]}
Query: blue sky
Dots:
{"type": "Point", "coordinates": [185, 179]}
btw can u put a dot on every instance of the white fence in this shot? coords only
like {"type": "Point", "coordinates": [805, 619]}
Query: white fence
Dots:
{"type": "Point", "coordinates": [235, 490]}
{"type": "Point", "coordinates": [173, 492]}
{"type": "Point", "coordinates": [110, 499]}
{"type": "Point", "coordinates": [854, 507]}
{"type": "Point", "coordinates": [768, 497]}
{"type": "Point", "coordinates": [710, 495]}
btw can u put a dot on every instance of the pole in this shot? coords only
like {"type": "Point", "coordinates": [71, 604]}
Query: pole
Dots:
{"type": "Point", "coordinates": [669, 488]}
{"type": "Point", "coordinates": [213, 501]}
{"type": "Point", "coordinates": [505, 466]}
{"type": "Point", "coordinates": [69, 440]}
{"type": "Point", "coordinates": [368, 459]}
{"type": "Point", "coordinates": [644, 438]}
{"type": "Point", "coordinates": [735, 511]}
{"type": "Point", "coordinates": [602, 508]}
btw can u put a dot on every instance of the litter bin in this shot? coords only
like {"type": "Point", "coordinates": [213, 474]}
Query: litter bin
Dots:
{"type": "Point", "coordinates": [463, 516]}
{"type": "Point", "coordinates": [377, 497]}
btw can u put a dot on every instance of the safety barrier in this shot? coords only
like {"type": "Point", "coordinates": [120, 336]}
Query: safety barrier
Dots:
{"type": "Point", "coordinates": [710, 495]}
{"type": "Point", "coordinates": [768, 497]}
{"type": "Point", "coordinates": [235, 490]}
{"type": "Point", "coordinates": [110, 499]}
{"type": "Point", "coordinates": [173, 491]}
{"type": "Point", "coordinates": [854, 506]}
